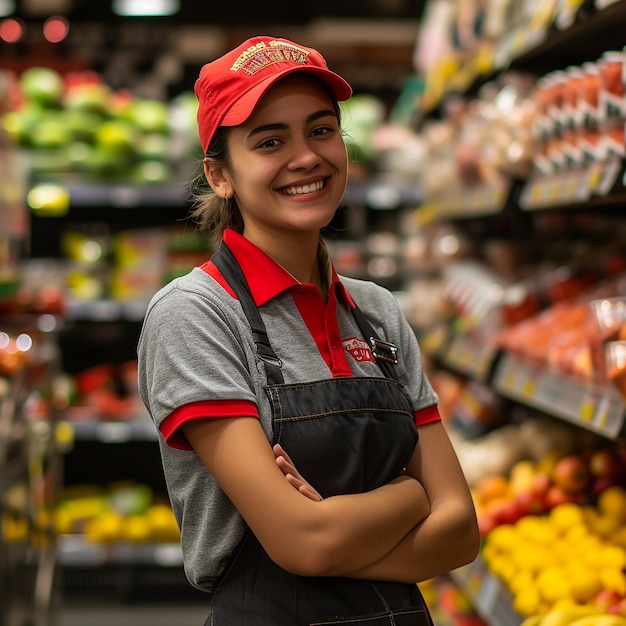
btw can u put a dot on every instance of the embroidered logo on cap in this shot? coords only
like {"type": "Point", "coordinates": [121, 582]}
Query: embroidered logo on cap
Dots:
{"type": "Point", "coordinates": [358, 349]}
{"type": "Point", "coordinates": [261, 55]}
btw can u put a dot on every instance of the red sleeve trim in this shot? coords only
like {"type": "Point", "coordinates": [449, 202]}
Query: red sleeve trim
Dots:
{"type": "Point", "coordinates": [429, 415]}
{"type": "Point", "coordinates": [171, 425]}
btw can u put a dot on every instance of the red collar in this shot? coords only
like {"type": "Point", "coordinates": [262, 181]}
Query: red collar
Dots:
{"type": "Point", "coordinates": [265, 276]}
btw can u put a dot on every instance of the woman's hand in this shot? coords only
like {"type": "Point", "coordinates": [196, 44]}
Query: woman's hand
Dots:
{"type": "Point", "coordinates": [293, 476]}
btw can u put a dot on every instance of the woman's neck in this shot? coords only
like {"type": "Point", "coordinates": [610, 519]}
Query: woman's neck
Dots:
{"type": "Point", "coordinates": [296, 254]}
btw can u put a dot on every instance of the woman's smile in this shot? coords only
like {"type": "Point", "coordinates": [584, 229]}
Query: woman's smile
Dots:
{"type": "Point", "coordinates": [303, 189]}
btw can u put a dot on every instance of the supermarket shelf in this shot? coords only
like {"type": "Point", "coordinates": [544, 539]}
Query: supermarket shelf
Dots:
{"type": "Point", "coordinates": [113, 432]}
{"type": "Point", "coordinates": [593, 407]}
{"type": "Point", "coordinates": [75, 550]}
{"type": "Point", "coordinates": [470, 202]}
{"type": "Point", "coordinates": [488, 595]}
{"type": "Point", "coordinates": [600, 183]}
{"type": "Point", "coordinates": [544, 49]}
{"type": "Point", "coordinates": [469, 356]}
{"type": "Point", "coordinates": [382, 195]}
{"type": "Point", "coordinates": [107, 310]}
{"type": "Point", "coordinates": [127, 196]}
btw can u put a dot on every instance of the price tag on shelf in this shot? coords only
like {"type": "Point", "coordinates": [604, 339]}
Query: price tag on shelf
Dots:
{"type": "Point", "coordinates": [114, 432]}
{"type": "Point", "coordinates": [168, 555]}
{"type": "Point", "coordinates": [588, 407]}
{"type": "Point", "coordinates": [602, 416]}
{"type": "Point", "coordinates": [528, 388]}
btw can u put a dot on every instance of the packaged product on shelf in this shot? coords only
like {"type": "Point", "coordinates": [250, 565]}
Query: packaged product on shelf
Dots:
{"type": "Point", "coordinates": [139, 262]}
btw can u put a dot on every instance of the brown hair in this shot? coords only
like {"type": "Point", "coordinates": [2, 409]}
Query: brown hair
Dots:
{"type": "Point", "coordinates": [212, 213]}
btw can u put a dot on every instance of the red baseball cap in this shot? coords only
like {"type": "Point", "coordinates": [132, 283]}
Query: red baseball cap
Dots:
{"type": "Point", "coordinates": [229, 88]}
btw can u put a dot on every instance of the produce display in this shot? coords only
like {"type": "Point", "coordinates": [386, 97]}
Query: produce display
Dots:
{"type": "Point", "coordinates": [75, 125]}
{"type": "Point", "coordinates": [119, 513]}
{"type": "Point", "coordinates": [554, 531]}
{"type": "Point", "coordinates": [576, 335]}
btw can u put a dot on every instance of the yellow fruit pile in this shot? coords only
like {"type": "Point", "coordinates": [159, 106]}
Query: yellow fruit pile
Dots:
{"type": "Point", "coordinates": [575, 616]}
{"type": "Point", "coordinates": [608, 518]}
{"type": "Point", "coordinates": [554, 561]}
{"type": "Point", "coordinates": [157, 524]}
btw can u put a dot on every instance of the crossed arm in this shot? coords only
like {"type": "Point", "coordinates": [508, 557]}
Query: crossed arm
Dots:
{"type": "Point", "coordinates": [417, 526]}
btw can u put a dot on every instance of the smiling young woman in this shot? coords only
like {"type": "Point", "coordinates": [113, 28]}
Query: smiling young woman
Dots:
{"type": "Point", "coordinates": [306, 462]}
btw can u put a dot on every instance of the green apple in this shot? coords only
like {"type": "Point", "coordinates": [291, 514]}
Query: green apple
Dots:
{"type": "Point", "coordinates": [78, 155]}
{"type": "Point", "coordinates": [101, 163]}
{"type": "Point", "coordinates": [93, 97]}
{"type": "Point", "coordinates": [42, 85]}
{"type": "Point", "coordinates": [50, 133]}
{"type": "Point", "coordinates": [152, 172]}
{"type": "Point", "coordinates": [153, 146]}
{"type": "Point", "coordinates": [81, 124]}
{"type": "Point", "coordinates": [116, 136]}
{"type": "Point", "coordinates": [19, 125]}
{"type": "Point", "coordinates": [150, 116]}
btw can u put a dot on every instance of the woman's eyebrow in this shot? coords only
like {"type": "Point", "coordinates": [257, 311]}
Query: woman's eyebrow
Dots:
{"type": "Point", "coordinates": [282, 126]}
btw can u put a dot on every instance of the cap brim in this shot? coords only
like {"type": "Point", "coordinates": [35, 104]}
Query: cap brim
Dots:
{"type": "Point", "coordinates": [241, 110]}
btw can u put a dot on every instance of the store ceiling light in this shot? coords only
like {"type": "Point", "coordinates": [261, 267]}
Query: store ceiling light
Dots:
{"type": "Point", "coordinates": [7, 7]}
{"type": "Point", "coordinates": [145, 8]}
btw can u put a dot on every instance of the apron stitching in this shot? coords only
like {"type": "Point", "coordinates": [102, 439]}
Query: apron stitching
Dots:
{"type": "Point", "coordinates": [384, 603]}
{"type": "Point", "coordinates": [343, 380]}
{"type": "Point", "coordinates": [366, 618]}
{"type": "Point", "coordinates": [295, 418]}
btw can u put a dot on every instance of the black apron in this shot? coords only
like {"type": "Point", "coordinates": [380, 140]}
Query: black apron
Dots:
{"type": "Point", "coordinates": [345, 435]}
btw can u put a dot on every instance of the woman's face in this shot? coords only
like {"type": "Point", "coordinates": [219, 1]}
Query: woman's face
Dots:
{"type": "Point", "coordinates": [288, 163]}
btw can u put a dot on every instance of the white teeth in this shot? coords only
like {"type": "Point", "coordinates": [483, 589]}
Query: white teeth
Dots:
{"type": "Point", "coordinates": [296, 191]}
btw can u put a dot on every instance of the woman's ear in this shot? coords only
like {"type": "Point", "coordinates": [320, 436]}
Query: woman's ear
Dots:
{"type": "Point", "coordinates": [218, 180]}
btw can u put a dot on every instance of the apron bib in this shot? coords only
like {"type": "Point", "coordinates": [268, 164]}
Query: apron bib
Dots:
{"type": "Point", "coordinates": [345, 435]}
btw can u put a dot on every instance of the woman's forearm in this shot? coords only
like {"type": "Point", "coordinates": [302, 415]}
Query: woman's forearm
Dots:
{"type": "Point", "coordinates": [378, 519]}
{"type": "Point", "coordinates": [445, 540]}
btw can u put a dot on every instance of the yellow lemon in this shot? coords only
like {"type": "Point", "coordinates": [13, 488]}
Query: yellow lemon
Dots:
{"type": "Point", "coordinates": [504, 537]}
{"type": "Point", "coordinates": [489, 552]}
{"type": "Point", "coordinates": [584, 583]}
{"type": "Point", "coordinates": [566, 515]}
{"type": "Point", "coordinates": [605, 524]}
{"type": "Point", "coordinates": [520, 581]}
{"type": "Point", "coordinates": [536, 529]}
{"type": "Point", "coordinates": [527, 601]}
{"type": "Point", "coordinates": [529, 557]}
{"type": "Point", "coordinates": [137, 529]}
{"type": "Point", "coordinates": [618, 537]}
{"type": "Point", "coordinates": [502, 567]}
{"type": "Point", "coordinates": [613, 579]}
{"type": "Point", "coordinates": [613, 500]}
{"type": "Point", "coordinates": [605, 555]}
{"type": "Point", "coordinates": [106, 528]}
{"type": "Point", "coordinates": [563, 603]}
{"type": "Point", "coordinates": [507, 571]}
{"type": "Point", "coordinates": [553, 585]}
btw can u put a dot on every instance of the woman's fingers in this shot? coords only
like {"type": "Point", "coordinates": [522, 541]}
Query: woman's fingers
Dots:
{"type": "Point", "coordinates": [294, 478]}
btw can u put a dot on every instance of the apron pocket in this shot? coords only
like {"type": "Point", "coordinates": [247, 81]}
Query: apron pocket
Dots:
{"type": "Point", "coordinates": [417, 616]}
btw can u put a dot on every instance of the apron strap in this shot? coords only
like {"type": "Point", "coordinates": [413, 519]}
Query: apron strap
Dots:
{"type": "Point", "coordinates": [225, 261]}
{"type": "Point", "coordinates": [383, 351]}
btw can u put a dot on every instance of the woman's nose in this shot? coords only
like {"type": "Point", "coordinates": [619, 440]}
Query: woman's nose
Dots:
{"type": "Point", "coordinates": [304, 155]}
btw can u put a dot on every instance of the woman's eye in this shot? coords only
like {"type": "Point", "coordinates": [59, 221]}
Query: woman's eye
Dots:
{"type": "Point", "coordinates": [269, 143]}
{"type": "Point", "coordinates": [323, 130]}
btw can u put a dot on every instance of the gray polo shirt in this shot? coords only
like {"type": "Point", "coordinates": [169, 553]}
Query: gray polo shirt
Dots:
{"type": "Point", "coordinates": [197, 359]}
